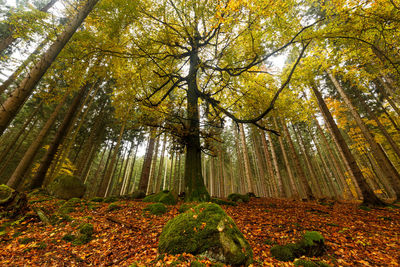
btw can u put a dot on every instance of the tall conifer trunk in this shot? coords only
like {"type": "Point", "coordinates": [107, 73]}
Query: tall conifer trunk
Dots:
{"type": "Point", "coordinates": [19, 95]}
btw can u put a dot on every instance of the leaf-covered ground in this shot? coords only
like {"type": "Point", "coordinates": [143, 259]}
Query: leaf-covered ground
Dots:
{"type": "Point", "coordinates": [127, 235]}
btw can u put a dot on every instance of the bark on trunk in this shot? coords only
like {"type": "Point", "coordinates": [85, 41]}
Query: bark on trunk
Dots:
{"type": "Point", "coordinates": [390, 173]}
{"type": "Point", "coordinates": [194, 183]}
{"type": "Point", "coordinates": [19, 95]}
{"type": "Point", "coordinates": [144, 177]}
{"type": "Point", "coordinates": [369, 198]}
{"type": "Point", "coordinates": [246, 160]}
{"type": "Point", "coordinates": [40, 175]}
{"type": "Point", "coordinates": [34, 147]}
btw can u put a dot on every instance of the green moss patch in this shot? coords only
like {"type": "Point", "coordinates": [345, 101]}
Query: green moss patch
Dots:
{"type": "Point", "coordinates": [113, 206]}
{"type": "Point", "coordinates": [223, 202]}
{"type": "Point", "coordinates": [311, 244]}
{"type": "Point", "coordinates": [156, 208]}
{"type": "Point", "coordinates": [165, 197]}
{"type": "Point", "coordinates": [185, 206]}
{"type": "Point", "coordinates": [86, 231]}
{"type": "Point", "coordinates": [206, 230]}
{"type": "Point", "coordinates": [66, 187]}
{"type": "Point", "coordinates": [235, 197]}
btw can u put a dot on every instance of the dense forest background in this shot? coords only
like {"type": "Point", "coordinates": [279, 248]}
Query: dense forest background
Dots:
{"type": "Point", "coordinates": [86, 87]}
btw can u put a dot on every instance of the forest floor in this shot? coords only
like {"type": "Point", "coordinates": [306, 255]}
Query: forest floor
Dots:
{"type": "Point", "coordinates": [127, 235]}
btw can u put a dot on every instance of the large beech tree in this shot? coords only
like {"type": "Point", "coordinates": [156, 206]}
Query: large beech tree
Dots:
{"type": "Point", "coordinates": [179, 54]}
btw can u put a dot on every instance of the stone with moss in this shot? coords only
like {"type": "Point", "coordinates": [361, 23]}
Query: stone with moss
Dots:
{"type": "Point", "coordinates": [185, 206]}
{"type": "Point", "coordinates": [222, 202]}
{"type": "Point", "coordinates": [110, 199]}
{"type": "Point", "coordinates": [166, 197]}
{"type": "Point", "coordinates": [156, 208]}
{"type": "Point", "coordinates": [282, 253]}
{"type": "Point", "coordinates": [312, 243]}
{"type": "Point", "coordinates": [6, 194]}
{"type": "Point", "coordinates": [68, 237]}
{"type": "Point", "coordinates": [66, 187]}
{"type": "Point", "coordinates": [113, 206]}
{"type": "Point", "coordinates": [206, 230]}
{"type": "Point", "coordinates": [97, 199]}
{"type": "Point", "coordinates": [235, 197]}
{"type": "Point", "coordinates": [70, 205]}
{"type": "Point", "coordinates": [86, 231]}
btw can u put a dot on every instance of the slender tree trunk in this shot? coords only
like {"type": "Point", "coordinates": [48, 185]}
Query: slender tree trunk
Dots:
{"type": "Point", "coordinates": [144, 178]}
{"type": "Point", "coordinates": [342, 179]}
{"type": "Point", "coordinates": [299, 168]}
{"type": "Point", "coordinates": [124, 177]}
{"type": "Point", "coordinates": [40, 175]}
{"type": "Point", "coordinates": [6, 41]}
{"type": "Point", "coordinates": [307, 157]}
{"type": "Point", "coordinates": [20, 132]}
{"type": "Point", "coordinates": [295, 192]}
{"type": "Point", "coordinates": [5, 85]}
{"type": "Point", "coordinates": [153, 174]}
{"type": "Point", "coordinates": [131, 177]}
{"type": "Point", "coordinates": [390, 173]}
{"type": "Point", "coordinates": [19, 95]}
{"type": "Point", "coordinates": [246, 159]}
{"type": "Point", "coordinates": [111, 166]}
{"type": "Point", "coordinates": [281, 189]}
{"type": "Point", "coordinates": [161, 165]}
{"type": "Point", "coordinates": [34, 147]}
{"type": "Point", "coordinates": [239, 163]}
{"type": "Point", "coordinates": [369, 198]}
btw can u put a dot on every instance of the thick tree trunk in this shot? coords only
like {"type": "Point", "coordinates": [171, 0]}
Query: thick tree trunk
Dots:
{"type": "Point", "coordinates": [34, 147]}
{"type": "Point", "coordinates": [19, 95]}
{"type": "Point", "coordinates": [194, 183]}
{"type": "Point", "coordinates": [152, 175]}
{"type": "Point", "coordinates": [40, 175]}
{"type": "Point", "coordinates": [390, 173]}
{"type": "Point", "coordinates": [368, 195]}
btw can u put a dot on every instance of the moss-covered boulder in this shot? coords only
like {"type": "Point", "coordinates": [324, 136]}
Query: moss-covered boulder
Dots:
{"type": "Point", "coordinates": [12, 202]}
{"type": "Point", "coordinates": [206, 230]}
{"type": "Point", "coordinates": [156, 208]}
{"type": "Point", "coordinates": [66, 187]}
{"type": "Point", "coordinates": [311, 244]}
{"type": "Point", "coordinates": [86, 231]}
{"type": "Point", "coordinates": [166, 197]}
{"type": "Point", "coordinates": [238, 197]}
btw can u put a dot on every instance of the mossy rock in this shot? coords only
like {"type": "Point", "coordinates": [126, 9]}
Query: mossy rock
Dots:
{"type": "Point", "coordinates": [185, 206]}
{"type": "Point", "coordinates": [86, 231]}
{"type": "Point", "coordinates": [66, 187]}
{"type": "Point", "coordinates": [110, 199]}
{"type": "Point", "coordinates": [68, 237]}
{"type": "Point", "coordinates": [312, 244]}
{"type": "Point", "coordinates": [113, 206]}
{"type": "Point", "coordinates": [165, 197]}
{"type": "Point", "coordinates": [235, 197]}
{"type": "Point", "coordinates": [97, 199]}
{"type": "Point", "coordinates": [282, 253]}
{"type": "Point", "coordinates": [6, 194]}
{"type": "Point", "coordinates": [135, 195]}
{"type": "Point", "coordinates": [223, 202]}
{"type": "Point", "coordinates": [197, 264]}
{"type": "Point", "coordinates": [70, 205]}
{"type": "Point", "coordinates": [206, 230]}
{"type": "Point", "coordinates": [156, 208]}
